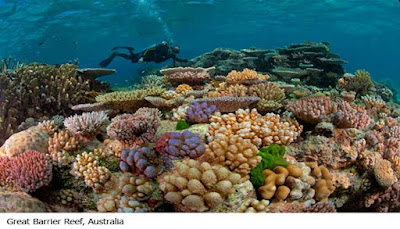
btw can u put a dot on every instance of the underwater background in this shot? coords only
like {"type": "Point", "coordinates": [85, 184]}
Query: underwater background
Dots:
{"type": "Point", "coordinates": [364, 33]}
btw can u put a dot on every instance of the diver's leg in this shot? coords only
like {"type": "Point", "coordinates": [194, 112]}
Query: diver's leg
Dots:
{"type": "Point", "coordinates": [130, 49]}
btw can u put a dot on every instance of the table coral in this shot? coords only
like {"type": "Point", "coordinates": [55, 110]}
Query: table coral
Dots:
{"type": "Point", "coordinates": [141, 161]}
{"type": "Point", "coordinates": [195, 186]}
{"type": "Point", "coordinates": [229, 103]}
{"type": "Point", "coordinates": [199, 112]}
{"type": "Point", "coordinates": [30, 139]}
{"type": "Point", "coordinates": [137, 129]}
{"type": "Point", "coordinates": [191, 76]}
{"type": "Point", "coordinates": [29, 170]}
{"type": "Point", "coordinates": [87, 125]}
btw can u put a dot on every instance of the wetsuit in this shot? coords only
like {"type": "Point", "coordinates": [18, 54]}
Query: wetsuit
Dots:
{"type": "Point", "coordinates": [156, 53]}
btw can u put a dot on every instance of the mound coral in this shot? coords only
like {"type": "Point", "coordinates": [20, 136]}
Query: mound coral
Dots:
{"type": "Point", "coordinates": [30, 139]}
{"type": "Point", "coordinates": [136, 129]}
{"type": "Point", "coordinates": [87, 124]}
{"type": "Point", "coordinates": [185, 144]}
{"type": "Point", "coordinates": [313, 109]}
{"type": "Point", "coordinates": [227, 104]}
{"type": "Point", "coordinates": [142, 161]}
{"type": "Point", "coordinates": [384, 173]}
{"type": "Point", "coordinates": [191, 76]}
{"type": "Point", "coordinates": [17, 202]}
{"type": "Point", "coordinates": [245, 76]}
{"type": "Point", "coordinates": [195, 186]}
{"type": "Point", "coordinates": [29, 170]}
{"type": "Point", "coordinates": [199, 112]}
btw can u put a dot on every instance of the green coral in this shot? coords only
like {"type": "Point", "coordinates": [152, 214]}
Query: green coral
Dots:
{"type": "Point", "coordinates": [272, 156]}
{"type": "Point", "coordinates": [182, 125]}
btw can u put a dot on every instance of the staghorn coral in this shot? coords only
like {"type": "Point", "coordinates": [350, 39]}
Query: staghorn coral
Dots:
{"type": "Point", "coordinates": [135, 129]}
{"type": "Point", "coordinates": [245, 76]}
{"type": "Point", "coordinates": [227, 104]}
{"type": "Point", "coordinates": [199, 112]}
{"type": "Point", "coordinates": [87, 125]}
{"type": "Point", "coordinates": [313, 109]}
{"type": "Point", "coordinates": [180, 145]}
{"type": "Point", "coordinates": [234, 152]}
{"type": "Point", "coordinates": [30, 139]}
{"type": "Point", "coordinates": [360, 82]}
{"type": "Point", "coordinates": [38, 90]}
{"type": "Point", "coordinates": [261, 130]}
{"type": "Point", "coordinates": [195, 186]}
{"type": "Point", "coordinates": [17, 202]}
{"type": "Point", "coordinates": [128, 100]}
{"type": "Point", "coordinates": [29, 170]}
{"type": "Point", "coordinates": [142, 161]}
{"type": "Point", "coordinates": [191, 76]}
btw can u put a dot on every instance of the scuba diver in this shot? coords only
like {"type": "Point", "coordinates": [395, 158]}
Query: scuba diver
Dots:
{"type": "Point", "coordinates": [157, 53]}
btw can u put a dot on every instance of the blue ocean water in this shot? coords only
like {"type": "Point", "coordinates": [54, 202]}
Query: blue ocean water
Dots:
{"type": "Point", "coordinates": [365, 33]}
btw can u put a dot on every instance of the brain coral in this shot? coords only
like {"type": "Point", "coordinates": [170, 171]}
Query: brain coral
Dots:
{"type": "Point", "coordinates": [142, 161]}
{"type": "Point", "coordinates": [135, 129]}
{"type": "Point", "coordinates": [29, 170]}
{"type": "Point", "coordinates": [195, 186]}
{"type": "Point", "coordinates": [199, 112]}
{"type": "Point", "coordinates": [30, 139]}
{"type": "Point", "coordinates": [16, 202]}
{"type": "Point", "coordinates": [87, 124]}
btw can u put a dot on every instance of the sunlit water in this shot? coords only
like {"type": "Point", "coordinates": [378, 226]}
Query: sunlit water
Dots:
{"type": "Point", "coordinates": [366, 33]}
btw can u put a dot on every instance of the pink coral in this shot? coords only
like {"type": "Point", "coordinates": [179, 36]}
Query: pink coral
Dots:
{"type": "Point", "coordinates": [348, 117]}
{"type": "Point", "coordinates": [312, 109]}
{"type": "Point", "coordinates": [29, 170]}
{"type": "Point", "coordinates": [137, 129]}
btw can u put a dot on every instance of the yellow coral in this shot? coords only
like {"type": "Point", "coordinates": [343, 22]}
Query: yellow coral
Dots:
{"type": "Point", "coordinates": [183, 89]}
{"type": "Point", "coordinates": [246, 75]}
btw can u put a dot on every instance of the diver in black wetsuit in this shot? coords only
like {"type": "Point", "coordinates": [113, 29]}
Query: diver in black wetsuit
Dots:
{"type": "Point", "coordinates": [156, 53]}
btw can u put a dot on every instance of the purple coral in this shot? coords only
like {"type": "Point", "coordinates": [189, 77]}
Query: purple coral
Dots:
{"type": "Point", "coordinates": [142, 161]}
{"type": "Point", "coordinates": [199, 112]}
{"type": "Point", "coordinates": [185, 144]}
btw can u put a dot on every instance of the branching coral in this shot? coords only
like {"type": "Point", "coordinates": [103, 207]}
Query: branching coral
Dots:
{"type": "Point", "coordinates": [245, 76]}
{"type": "Point", "coordinates": [191, 76]}
{"type": "Point", "coordinates": [267, 91]}
{"type": "Point", "coordinates": [135, 129]}
{"type": "Point", "coordinates": [229, 103]}
{"type": "Point", "coordinates": [261, 130]}
{"type": "Point", "coordinates": [313, 109]}
{"type": "Point", "coordinates": [29, 170]}
{"type": "Point", "coordinates": [142, 161]}
{"type": "Point", "coordinates": [348, 117]}
{"type": "Point", "coordinates": [139, 188]}
{"type": "Point", "coordinates": [61, 145]}
{"type": "Point", "coordinates": [199, 112]}
{"type": "Point", "coordinates": [234, 152]}
{"type": "Point", "coordinates": [195, 186]}
{"type": "Point", "coordinates": [183, 89]}
{"type": "Point", "coordinates": [360, 82]}
{"type": "Point", "coordinates": [87, 125]}
{"type": "Point", "coordinates": [185, 144]}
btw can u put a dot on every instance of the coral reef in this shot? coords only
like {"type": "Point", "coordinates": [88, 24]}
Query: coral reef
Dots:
{"type": "Point", "coordinates": [199, 112]}
{"type": "Point", "coordinates": [142, 161]}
